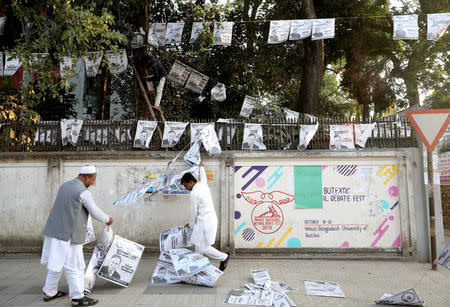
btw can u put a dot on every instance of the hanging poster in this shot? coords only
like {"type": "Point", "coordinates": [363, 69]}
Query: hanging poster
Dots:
{"type": "Point", "coordinates": [179, 73]}
{"type": "Point", "coordinates": [322, 28]}
{"type": "Point", "coordinates": [362, 133]}
{"type": "Point", "coordinates": [121, 261]}
{"type": "Point", "coordinates": [157, 34]}
{"type": "Point", "coordinates": [223, 32]}
{"type": "Point", "coordinates": [196, 82]}
{"type": "Point", "coordinates": [174, 32]}
{"type": "Point", "coordinates": [192, 157]}
{"type": "Point", "coordinates": [137, 41]}
{"type": "Point", "coordinates": [172, 133]}
{"type": "Point", "coordinates": [196, 128]}
{"type": "Point", "coordinates": [38, 58]}
{"type": "Point", "coordinates": [1, 63]}
{"type": "Point", "coordinates": [406, 27]}
{"type": "Point", "coordinates": [219, 92]}
{"type": "Point", "coordinates": [117, 61]}
{"type": "Point", "coordinates": [341, 137]}
{"type": "Point", "coordinates": [92, 61]}
{"type": "Point", "coordinates": [247, 106]}
{"type": "Point", "coordinates": [306, 134]}
{"type": "Point", "coordinates": [67, 65]}
{"type": "Point", "coordinates": [253, 137]}
{"type": "Point", "coordinates": [144, 133]}
{"type": "Point", "coordinates": [437, 25]}
{"type": "Point", "coordinates": [197, 29]}
{"type": "Point", "coordinates": [300, 29]}
{"type": "Point", "coordinates": [11, 65]}
{"type": "Point", "coordinates": [278, 31]}
{"type": "Point", "coordinates": [70, 131]}
{"type": "Point", "coordinates": [291, 115]}
{"type": "Point", "coordinates": [174, 185]}
{"type": "Point", "coordinates": [210, 141]}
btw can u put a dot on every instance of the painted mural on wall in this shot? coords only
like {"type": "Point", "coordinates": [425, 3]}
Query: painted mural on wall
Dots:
{"type": "Point", "coordinates": [314, 206]}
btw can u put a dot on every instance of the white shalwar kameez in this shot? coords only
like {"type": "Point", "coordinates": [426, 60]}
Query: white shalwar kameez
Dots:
{"type": "Point", "coordinates": [203, 219]}
{"type": "Point", "coordinates": [59, 254]}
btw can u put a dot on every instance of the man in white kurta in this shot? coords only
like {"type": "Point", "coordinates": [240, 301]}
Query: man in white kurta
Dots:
{"type": "Point", "coordinates": [62, 247]}
{"type": "Point", "coordinates": [203, 218]}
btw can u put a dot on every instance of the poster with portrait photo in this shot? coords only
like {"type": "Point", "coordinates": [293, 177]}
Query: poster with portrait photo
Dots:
{"type": "Point", "coordinates": [157, 34]}
{"type": "Point", "coordinates": [300, 29]}
{"type": "Point", "coordinates": [249, 297]}
{"type": "Point", "coordinates": [219, 93]}
{"type": "Point", "coordinates": [322, 28]}
{"type": "Point", "coordinates": [247, 106]}
{"type": "Point", "coordinates": [144, 133]}
{"type": "Point", "coordinates": [11, 65]}
{"type": "Point", "coordinates": [70, 131]}
{"type": "Point", "coordinates": [306, 134]}
{"type": "Point", "coordinates": [253, 137]}
{"type": "Point", "coordinates": [187, 262]}
{"type": "Point", "coordinates": [437, 24]}
{"type": "Point", "coordinates": [210, 141]}
{"type": "Point", "coordinates": [176, 237]}
{"type": "Point", "coordinates": [406, 27]}
{"type": "Point", "coordinates": [341, 137]}
{"type": "Point", "coordinates": [174, 185]}
{"type": "Point", "coordinates": [196, 128]}
{"type": "Point", "coordinates": [92, 61]}
{"type": "Point", "coordinates": [179, 73]}
{"type": "Point", "coordinates": [174, 32]}
{"type": "Point", "coordinates": [67, 65]}
{"type": "Point", "coordinates": [197, 29]}
{"type": "Point", "coordinates": [206, 278]}
{"type": "Point", "coordinates": [362, 133]}
{"type": "Point", "coordinates": [192, 157]}
{"type": "Point", "coordinates": [98, 255]}
{"type": "Point", "coordinates": [278, 31]}
{"type": "Point", "coordinates": [121, 261]}
{"type": "Point", "coordinates": [223, 32]}
{"type": "Point", "coordinates": [117, 61]}
{"type": "Point", "coordinates": [196, 82]}
{"type": "Point", "coordinates": [172, 133]}
{"type": "Point", "coordinates": [164, 273]}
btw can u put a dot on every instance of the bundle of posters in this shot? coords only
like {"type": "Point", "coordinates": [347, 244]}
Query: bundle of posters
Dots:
{"type": "Point", "coordinates": [263, 292]}
{"type": "Point", "coordinates": [175, 238]}
{"type": "Point", "coordinates": [405, 298]}
{"type": "Point", "coordinates": [96, 261]}
{"type": "Point", "coordinates": [323, 288]}
{"type": "Point", "coordinates": [121, 261]}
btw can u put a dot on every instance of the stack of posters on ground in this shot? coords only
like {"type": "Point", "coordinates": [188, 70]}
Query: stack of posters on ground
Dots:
{"type": "Point", "coordinates": [405, 298]}
{"type": "Point", "coordinates": [323, 288]}
{"type": "Point", "coordinates": [178, 264]}
{"type": "Point", "coordinates": [114, 259]}
{"type": "Point", "coordinates": [262, 292]}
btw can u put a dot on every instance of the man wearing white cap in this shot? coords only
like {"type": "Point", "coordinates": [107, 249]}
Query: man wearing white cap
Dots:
{"type": "Point", "coordinates": [65, 233]}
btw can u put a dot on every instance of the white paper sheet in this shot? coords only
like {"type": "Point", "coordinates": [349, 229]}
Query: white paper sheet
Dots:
{"type": "Point", "coordinates": [406, 27]}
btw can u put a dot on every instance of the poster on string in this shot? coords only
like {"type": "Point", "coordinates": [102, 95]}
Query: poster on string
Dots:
{"type": "Point", "coordinates": [67, 65]}
{"type": "Point", "coordinates": [278, 31]}
{"type": "Point", "coordinates": [210, 141]}
{"type": "Point", "coordinates": [179, 73]}
{"type": "Point", "coordinates": [219, 93]}
{"type": "Point", "coordinates": [172, 133]}
{"type": "Point", "coordinates": [121, 261]}
{"type": "Point", "coordinates": [406, 27]}
{"type": "Point", "coordinates": [137, 41]}
{"type": "Point", "coordinates": [437, 25]}
{"type": "Point", "coordinates": [38, 58]}
{"type": "Point", "coordinates": [174, 32]}
{"type": "Point", "coordinates": [322, 28]}
{"type": "Point", "coordinates": [362, 133]}
{"type": "Point", "coordinates": [341, 137]}
{"type": "Point", "coordinates": [11, 65]}
{"type": "Point", "coordinates": [144, 133]}
{"type": "Point", "coordinates": [306, 134]}
{"type": "Point", "coordinates": [196, 82]}
{"type": "Point", "coordinates": [197, 29]}
{"type": "Point", "coordinates": [157, 34]}
{"type": "Point", "coordinates": [300, 29]}
{"type": "Point", "coordinates": [192, 157]}
{"type": "Point", "coordinates": [230, 129]}
{"type": "Point", "coordinates": [70, 131]}
{"type": "Point", "coordinates": [165, 273]}
{"type": "Point", "coordinates": [117, 61]}
{"type": "Point", "coordinates": [253, 137]}
{"type": "Point", "coordinates": [223, 32]}
{"type": "Point", "coordinates": [92, 61]}
{"type": "Point", "coordinates": [196, 128]}
{"type": "Point", "coordinates": [247, 106]}
{"type": "Point", "coordinates": [291, 115]}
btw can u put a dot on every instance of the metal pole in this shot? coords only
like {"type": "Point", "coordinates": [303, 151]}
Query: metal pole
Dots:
{"type": "Point", "coordinates": [431, 209]}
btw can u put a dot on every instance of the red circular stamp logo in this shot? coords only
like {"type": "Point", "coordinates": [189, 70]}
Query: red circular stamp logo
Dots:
{"type": "Point", "coordinates": [267, 217]}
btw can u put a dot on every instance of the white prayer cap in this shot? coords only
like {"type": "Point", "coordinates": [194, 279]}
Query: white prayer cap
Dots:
{"type": "Point", "coordinates": [87, 169]}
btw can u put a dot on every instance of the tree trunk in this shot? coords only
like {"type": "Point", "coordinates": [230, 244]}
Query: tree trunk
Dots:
{"type": "Point", "coordinates": [308, 96]}
{"type": "Point", "coordinates": [101, 94]}
{"type": "Point", "coordinates": [412, 90]}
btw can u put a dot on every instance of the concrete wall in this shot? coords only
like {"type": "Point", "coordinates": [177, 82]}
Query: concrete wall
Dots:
{"type": "Point", "coordinates": [29, 183]}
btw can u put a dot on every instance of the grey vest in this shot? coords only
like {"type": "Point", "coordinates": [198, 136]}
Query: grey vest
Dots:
{"type": "Point", "coordinates": [68, 217]}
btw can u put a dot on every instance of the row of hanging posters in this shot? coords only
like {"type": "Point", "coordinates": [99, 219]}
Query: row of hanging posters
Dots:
{"type": "Point", "coordinates": [327, 204]}
{"type": "Point", "coordinates": [405, 27]}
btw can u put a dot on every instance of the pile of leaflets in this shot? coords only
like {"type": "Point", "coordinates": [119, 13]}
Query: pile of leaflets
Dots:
{"type": "Point", "coordinates": [178, 264]}
{"type": "Point", "coordinates": [262, 292]}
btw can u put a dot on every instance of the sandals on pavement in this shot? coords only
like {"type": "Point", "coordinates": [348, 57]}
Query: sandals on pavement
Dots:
{"type": "Point", "coordinates": [57, 295]}
{"type": "Point", "coordinates": [84, 301]}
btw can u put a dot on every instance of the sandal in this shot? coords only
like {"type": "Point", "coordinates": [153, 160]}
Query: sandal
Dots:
{"type": "Point", "coordinates": [57, 295]}
{"type": "Point", "coordinates": [84, 301]}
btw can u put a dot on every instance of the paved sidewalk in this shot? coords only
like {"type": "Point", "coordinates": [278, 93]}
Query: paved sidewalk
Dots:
{"type": "Point", "coordinates": [362, 282]}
